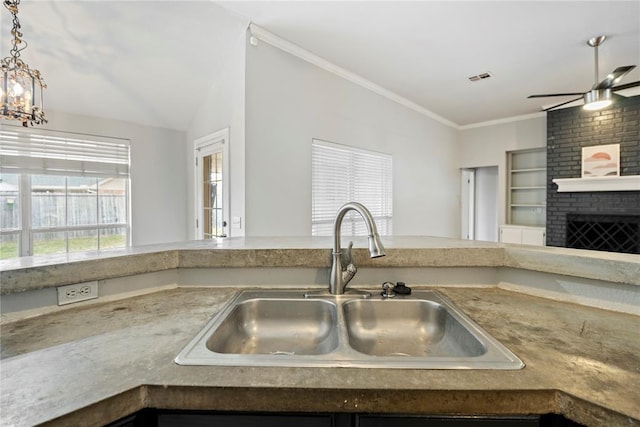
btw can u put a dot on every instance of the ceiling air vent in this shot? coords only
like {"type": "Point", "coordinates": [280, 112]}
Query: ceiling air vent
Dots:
{"type": "Point", "coordinates": [479, 77]}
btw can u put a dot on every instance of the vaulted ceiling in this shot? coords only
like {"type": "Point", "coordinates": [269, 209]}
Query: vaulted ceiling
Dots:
{"type": "Point", "coordinates": [152, 62]}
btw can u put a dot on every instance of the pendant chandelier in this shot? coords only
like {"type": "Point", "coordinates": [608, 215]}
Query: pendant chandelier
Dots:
{"type": "Point", "coordinates": [20, 87]}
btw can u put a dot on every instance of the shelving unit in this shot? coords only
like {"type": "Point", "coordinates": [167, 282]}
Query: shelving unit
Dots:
{"type": "Point", "coordinates": [526, 197]}
{"type": "Point", "coordinates": [527, 194]}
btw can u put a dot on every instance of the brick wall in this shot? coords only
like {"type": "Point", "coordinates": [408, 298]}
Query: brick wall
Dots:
{"type": "Point", "coordinates": [570, 129]}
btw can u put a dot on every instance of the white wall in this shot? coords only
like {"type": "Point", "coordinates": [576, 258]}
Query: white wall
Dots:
{"type": "Point", "coordinates": [223, 108]}
{"type": "Point", "coordinates": [289, 102]}
{"type": "Point", "coordinates": [487, 146]}
{"type": "Point", "coordinates": [158, 177]}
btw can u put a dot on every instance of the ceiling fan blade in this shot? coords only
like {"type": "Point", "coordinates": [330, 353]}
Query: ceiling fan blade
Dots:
{"type": "Point", "coordinates": [614, 77]}
{"type": "Point", "coordinates": [555, 94]}
{"type": "Point", "coordinates": [626, 86]}
{"type": "Point", "coordinates": [564, 103]}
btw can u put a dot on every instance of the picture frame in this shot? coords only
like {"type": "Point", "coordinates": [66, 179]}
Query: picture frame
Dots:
{"type": "Point", "coordinates": [601, 161]}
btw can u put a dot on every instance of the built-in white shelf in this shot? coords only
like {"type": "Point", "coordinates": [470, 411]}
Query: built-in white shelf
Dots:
{"type": "Point", "coordinates": [527, 189]}
{"type": "Point", "coordinates": [604, 183]}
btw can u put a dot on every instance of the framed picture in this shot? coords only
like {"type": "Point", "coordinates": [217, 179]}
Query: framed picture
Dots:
{"type": "Point", "coordinates": [601, 160]}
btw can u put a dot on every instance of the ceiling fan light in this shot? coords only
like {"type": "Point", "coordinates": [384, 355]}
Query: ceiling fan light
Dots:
{"type": "Point", "coordinates": [597, 99]}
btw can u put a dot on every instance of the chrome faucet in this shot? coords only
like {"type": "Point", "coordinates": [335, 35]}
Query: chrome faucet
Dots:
{"type": "Point", "coordinates": [339, 277]}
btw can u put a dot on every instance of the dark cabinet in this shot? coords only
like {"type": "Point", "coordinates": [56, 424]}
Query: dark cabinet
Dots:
{"type": "Point", "coordinates": [167, 418]}
{"type": "Point", "coordinates": [380, 420]}
{"type": "Point", "coordinates": [384, 420]}
{"type": "Point", "coordinates": [244, 420]}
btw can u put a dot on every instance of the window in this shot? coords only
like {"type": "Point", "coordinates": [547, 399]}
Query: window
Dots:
{"type": "Point", "coordinates": [62, 192]}
{"type": "Point", "coordinates": [342, 174]}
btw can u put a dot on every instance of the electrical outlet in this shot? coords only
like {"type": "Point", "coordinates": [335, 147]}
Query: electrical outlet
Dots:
{"type": "Point", "coordinates": [77, 292]}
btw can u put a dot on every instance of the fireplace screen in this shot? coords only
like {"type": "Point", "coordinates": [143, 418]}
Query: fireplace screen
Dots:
{"type": "Point", "coordinates": [613, 233]}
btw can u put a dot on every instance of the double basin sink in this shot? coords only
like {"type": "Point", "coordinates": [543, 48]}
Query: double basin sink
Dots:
{"type": "Point", "coordinates": [285, 328]}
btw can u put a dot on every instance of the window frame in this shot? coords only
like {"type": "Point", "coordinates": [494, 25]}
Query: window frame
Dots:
{"type": "Point", "coordinates": [19, 161]}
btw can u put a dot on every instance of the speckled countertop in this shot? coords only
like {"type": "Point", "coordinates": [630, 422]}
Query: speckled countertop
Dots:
{"type": "Point", "coordinates": [94, 364]}
{"type": "Point", "coordinates": [32, 273]}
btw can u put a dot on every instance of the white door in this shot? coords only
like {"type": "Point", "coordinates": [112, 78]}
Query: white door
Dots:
{"type": "Point", "coordinates": [212, 185]}
{"type": "Point", "coordinates": [479, 202]}
{"type": "Point", "coordinates": [533, 236]}
{"type": "Point", "coordinates": [510, 234]}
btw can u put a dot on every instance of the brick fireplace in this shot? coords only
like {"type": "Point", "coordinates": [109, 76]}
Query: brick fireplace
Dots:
{"type": "Point", "coordinates": [611, 233]}
{"type": "Point", "coordinates": [568, 130]}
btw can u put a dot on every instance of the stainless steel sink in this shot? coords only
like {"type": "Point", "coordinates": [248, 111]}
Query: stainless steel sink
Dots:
{"type": "Point", "coordinates": [277, 326]}
{"type": "Point", "coordinates": [413, 328]}
{"type": "Point", "coordinates": [282, 328]}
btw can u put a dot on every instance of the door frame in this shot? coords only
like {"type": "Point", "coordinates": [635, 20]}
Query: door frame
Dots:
{"type": "Point", "coordinates": [204, 146]}
{"type": "Point", "coordinates": [468, 203]}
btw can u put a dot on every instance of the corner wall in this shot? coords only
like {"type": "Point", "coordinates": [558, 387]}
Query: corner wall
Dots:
{"type": "Point", "coordinates": [223, 107]}
{"type": "Point", "coordinates": [290, 101]}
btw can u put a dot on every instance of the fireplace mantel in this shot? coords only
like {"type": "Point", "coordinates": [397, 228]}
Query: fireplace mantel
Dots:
{"type": "Point", "coordinates": [605, 183]}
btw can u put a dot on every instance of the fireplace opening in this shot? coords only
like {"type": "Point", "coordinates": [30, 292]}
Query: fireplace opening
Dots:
{"type": "Point", "coordinates": [612, 233]}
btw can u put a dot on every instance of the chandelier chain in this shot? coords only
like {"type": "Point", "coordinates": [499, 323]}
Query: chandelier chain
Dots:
{"type": "Point", "coordinates": [12, 5]}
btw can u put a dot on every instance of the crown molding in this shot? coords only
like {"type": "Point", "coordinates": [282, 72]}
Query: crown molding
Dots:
{"type": "Point", "coordinates": [505, 120]}
{"type": "Point", "coordinates": [295, 50]}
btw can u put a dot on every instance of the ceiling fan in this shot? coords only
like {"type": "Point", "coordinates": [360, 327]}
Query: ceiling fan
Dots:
{"type": "Point", "coordinates": [600, 95]}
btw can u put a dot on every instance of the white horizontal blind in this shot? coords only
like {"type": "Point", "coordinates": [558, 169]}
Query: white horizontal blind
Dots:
{"type": "Point", "coordinates": [48, 152]}
{"type": "Point", "coordinates": [342, 174]}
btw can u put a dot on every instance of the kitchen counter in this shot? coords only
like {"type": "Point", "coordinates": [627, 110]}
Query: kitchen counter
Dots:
{"type": "Point", "coordinates": [33, 273]}
{"type": "Point", "coordinates": [94, 364]}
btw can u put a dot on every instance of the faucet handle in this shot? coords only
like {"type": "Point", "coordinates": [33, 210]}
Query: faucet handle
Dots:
{"type": "Point", "coordinates": [349, 272]}
{"type": "Point", "coordinates": [350, 269]}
